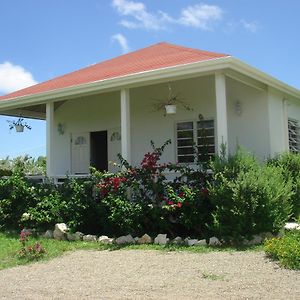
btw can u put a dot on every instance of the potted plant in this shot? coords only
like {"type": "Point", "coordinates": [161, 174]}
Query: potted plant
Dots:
{"type": "Point", "coordinates": [170, 103]}
{"type": "Point", "coordinates": [19, 125]}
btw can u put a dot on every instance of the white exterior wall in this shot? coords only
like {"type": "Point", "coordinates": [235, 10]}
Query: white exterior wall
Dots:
{"type": "Point", "coordinates": [250, 129]}
{"type": "Point", "coordinates": [293, 109]}
{"type": "Point", "coordinates": [277, 122]}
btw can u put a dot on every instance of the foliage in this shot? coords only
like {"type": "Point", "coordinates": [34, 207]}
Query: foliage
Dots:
{"type": "Point", "coordinates": [72, 203]}
{"type": "Point", "coordinates": [290, 164]}
{"type": "Point", "coordinates": [30, 251]}
{"type": "Point", "coordinates": [238, 198]}
{"type": "Point", "coordinates": [285, 249]}
{"type": "Point", "coordinates": [248, 198]}
{"type": "Point", "coordinates": [23, 164]}
{"type": "Point", "coordinates": [15, 195]}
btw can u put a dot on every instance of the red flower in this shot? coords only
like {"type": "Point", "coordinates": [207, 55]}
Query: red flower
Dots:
{"type": "Point", "coordinates": [181, 194]}
{"type": "Point", "coordinates": [170, 202]}
{"type": "Point", "coordinates": [179, 204]}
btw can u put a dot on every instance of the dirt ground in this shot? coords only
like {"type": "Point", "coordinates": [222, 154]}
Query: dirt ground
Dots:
{"type": "Point", "coordinates": [137, 274]}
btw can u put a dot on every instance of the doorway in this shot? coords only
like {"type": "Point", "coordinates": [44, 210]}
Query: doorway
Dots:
{"type": "Point", "coordinates": [99, 153]}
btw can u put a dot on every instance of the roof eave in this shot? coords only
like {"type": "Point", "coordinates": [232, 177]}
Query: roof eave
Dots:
{"type": "Point", "coordinates": [148, 76]}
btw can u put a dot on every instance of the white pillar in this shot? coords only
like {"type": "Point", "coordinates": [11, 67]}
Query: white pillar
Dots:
{"type": "Point", "coordinates": [221, 110]}
{"type": "Point", "coordinates": [125, 125]}
{"type": "Point", "coordinates": [49, 137]}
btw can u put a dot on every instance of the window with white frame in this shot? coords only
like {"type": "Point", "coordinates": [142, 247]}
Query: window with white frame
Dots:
{"type": "Point", "coordinates": [294, 135]}
{"type": "Point", "coordinates": [195, 135]}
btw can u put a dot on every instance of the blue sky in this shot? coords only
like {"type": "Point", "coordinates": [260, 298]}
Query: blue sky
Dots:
{"type": "Point", "coordinates": [43, 39]}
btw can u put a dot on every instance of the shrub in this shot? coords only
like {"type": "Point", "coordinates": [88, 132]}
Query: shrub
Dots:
{"type": "Point", "coordinates": [16, 195]}
{"type": "Point", "coordinates": [72, 203]}
{"type": "Point", "coordinates": [248, 198]}
{"type": "Point", "coordinates": [290, 164]}
{"type": "Point", "coordinates": [285, 249]}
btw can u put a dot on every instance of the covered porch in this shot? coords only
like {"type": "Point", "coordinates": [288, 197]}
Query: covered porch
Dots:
{"type": "Point", "coordinates": [90, 129]}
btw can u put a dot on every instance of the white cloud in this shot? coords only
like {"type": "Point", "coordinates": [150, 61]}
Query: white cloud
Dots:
{"type": "Point", "coordinates": [201, 16]}
{"type": "Point", "coordinates": [14, 77]}
{"type": "Point", "coordinates": [121, 39]}
{"type": "Point", "coordinates": [250, 26]}
{"type": "Point", "coordinates": [141, 17]}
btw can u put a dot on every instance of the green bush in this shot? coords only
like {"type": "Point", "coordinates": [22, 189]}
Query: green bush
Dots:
{"type": "Point", "coordinates": [16, 194]}
{"type": "Point", "coordinates": [285, 249]}
{"type": "Point", "coordinates": [248, 198]}
{"type": "Point", "coordinates": [290, 164]}
{"type": "Point", "coordinates": [72, 203]}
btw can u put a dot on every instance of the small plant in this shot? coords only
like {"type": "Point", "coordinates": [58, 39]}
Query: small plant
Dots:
{"type": "Point", "coordinates": [212, 276]}
{"type": "Point", "coordinates": [19, 125]}
{"type": "Point", "coordinates": [30, 251]}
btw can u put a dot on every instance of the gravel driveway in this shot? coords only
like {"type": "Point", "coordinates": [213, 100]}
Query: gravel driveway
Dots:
{"type": "Point", "coordinates": [136, 274]}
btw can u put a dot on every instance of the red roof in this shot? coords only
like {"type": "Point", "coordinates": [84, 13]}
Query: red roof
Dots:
{"type": "Point", "coordinates": [155, 57]}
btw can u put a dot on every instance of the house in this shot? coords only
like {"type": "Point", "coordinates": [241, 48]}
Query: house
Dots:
{"type": "Point", "coordinates": [104, 109]}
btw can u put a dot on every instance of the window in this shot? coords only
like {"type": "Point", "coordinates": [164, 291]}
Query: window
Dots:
{"type": "Point", "coordinates": [195, 134]}
{"type": "Point", "coordinates": [294, 136]}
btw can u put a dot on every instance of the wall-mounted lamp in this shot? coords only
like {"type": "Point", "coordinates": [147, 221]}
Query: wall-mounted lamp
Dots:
{"type": "Point", "coordinates": [238, 107]}
{"type": "Point", "coordinates": [61, 128]}
{"type": "Point", "coordinates": [116, 136]}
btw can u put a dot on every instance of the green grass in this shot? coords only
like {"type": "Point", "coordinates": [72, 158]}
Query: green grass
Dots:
{"type": "Point", "coordinates": [212, 276]}
{"type": "Point", "coordinates": [10, 245]}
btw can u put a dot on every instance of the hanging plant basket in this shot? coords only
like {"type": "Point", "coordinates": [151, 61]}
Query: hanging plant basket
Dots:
{"type": "Point", "coordinates": [19, 128]}
{"type": "Point", "coordinates": [170, 103]}
{"type": "Point", "coordinates": [171, 109]}
{"type": "Point", "coordinates": [19, 125]}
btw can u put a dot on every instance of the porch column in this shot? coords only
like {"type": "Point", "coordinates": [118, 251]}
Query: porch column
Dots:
{"type": "Point", "coordinates": [49, 137]}
{"type": "Point", "coordinates": [125, 125]}
{"type": "Point", "coordinates": [221, 110]}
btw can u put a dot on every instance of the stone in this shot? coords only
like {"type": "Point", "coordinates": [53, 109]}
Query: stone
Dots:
{"type": "Point", "coordinates": [191, 242]}
{"type": "Point", "coordinates": [178, 241]}
{"type": "Point", "coordinates": [103, 239]}
{"type": "Point", "coordinates": [125, 239]}
{"type": "Point", "coordinates": [60, 231]}
{"type": "Point", "coordinates": [256, 240]}
{"type": "Point", "coordinates": [136, 239]}
{"type": "Point", "coordinates": [89, 238]}
{"type": "Point", "coordinates": [214, 241]}
{"type": "Point", "coordinates": [77, 236]}
{"type": "Point", "coordinates": [292, 226]}
{"type": "Point", "coordinates": [161, 239]}
{"type": "Point", "coordinates": [145, 239]}
{"type": "Point", "coordinates": [201, 243]}
{"type": "Point", "coordinates": [266, 235]}
{"type": "Point", "coordinates": [48, 234]}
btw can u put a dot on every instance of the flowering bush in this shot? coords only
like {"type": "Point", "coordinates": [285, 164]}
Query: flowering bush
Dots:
{"type": "Point", "coordinates": [285, 249]}
{"type": "Point", "coordinates": [30, 251]}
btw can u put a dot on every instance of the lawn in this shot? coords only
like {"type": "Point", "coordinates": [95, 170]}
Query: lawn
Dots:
{"type": "Point", "coordinates": [10, 245]}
